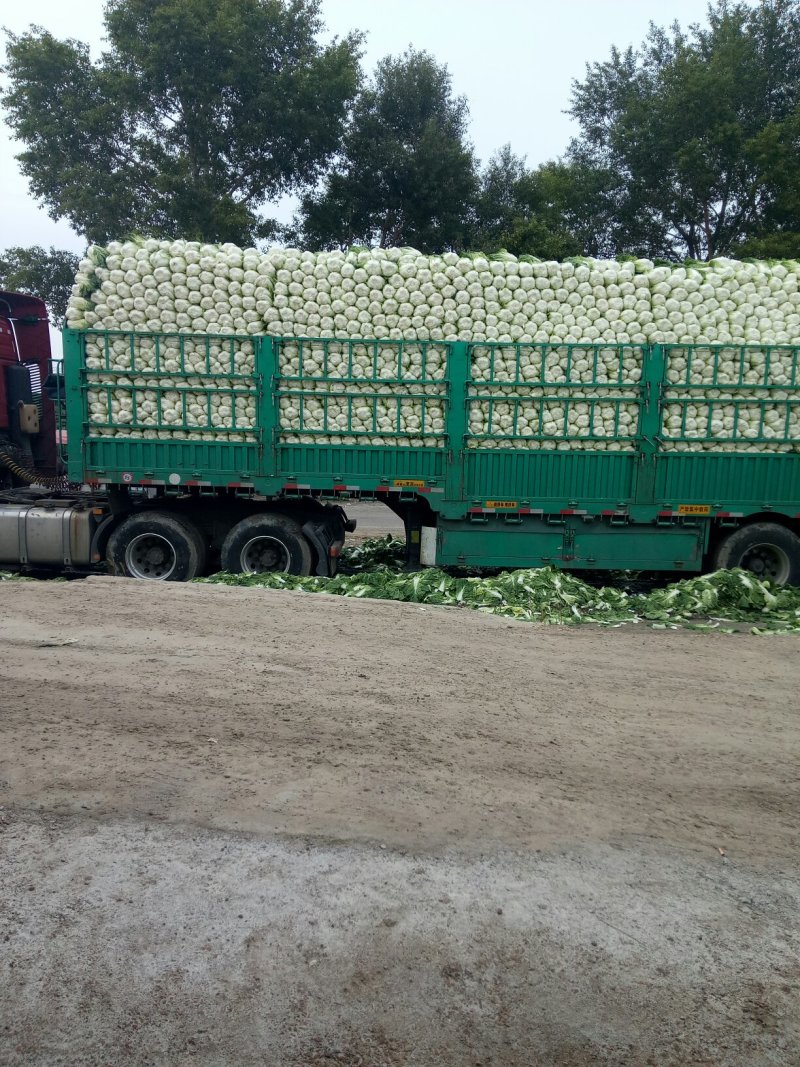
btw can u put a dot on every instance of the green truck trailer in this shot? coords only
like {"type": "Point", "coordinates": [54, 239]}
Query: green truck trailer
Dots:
{"type": "Point", "coordinates": [687, 462]}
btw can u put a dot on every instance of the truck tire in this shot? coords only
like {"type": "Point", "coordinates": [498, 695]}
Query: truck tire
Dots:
{"type": "Point", "coordinates": [766, 549]}
{"type": "Point", "coordinates": [156, 546]}
{"type": "Point", "coordinates": [267, 543]}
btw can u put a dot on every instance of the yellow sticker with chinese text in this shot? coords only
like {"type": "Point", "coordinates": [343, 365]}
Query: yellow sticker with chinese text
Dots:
{"type": "Point", "coordinates": [694, 509]}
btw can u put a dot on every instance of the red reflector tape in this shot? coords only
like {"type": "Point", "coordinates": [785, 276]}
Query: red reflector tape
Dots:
{"type": "Point", "coordinates": [571, 511]}
{"type": "Point", "coordinates": [665, 514]}
{"type": "Point", "coordinates": [514, 511]}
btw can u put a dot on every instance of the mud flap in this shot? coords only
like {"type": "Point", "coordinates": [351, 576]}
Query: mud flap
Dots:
{"type": "Point", "coordinates": [326, 535]}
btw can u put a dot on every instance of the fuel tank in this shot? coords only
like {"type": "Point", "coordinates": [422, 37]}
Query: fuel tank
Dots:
{"type": "Point", "coordinates": [47, 535]}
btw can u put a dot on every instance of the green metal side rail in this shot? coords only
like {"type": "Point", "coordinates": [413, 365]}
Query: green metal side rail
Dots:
{"type": "Point", "coordinates": [730, 428]}
{"type": "Point", "coordinates": [59, 401]}
{"type": "Point", "coordinates": [610, 429]}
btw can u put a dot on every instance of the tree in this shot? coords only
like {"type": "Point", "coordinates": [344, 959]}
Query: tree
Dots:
{"type": "Point", "coordinates": [198, 114]}
{"type": "Point", "coordinates": [685, 125]}
{"type": "Point", "coordinates": [406, 173]}
{"type": "Point", "coordinates": [500, 200]}
{"type": "Point", "coordinates": [777, 153]}
{"type": "Point", "coordinates": [557, 210]}
{"type": "Point", "coordinates": [46, 274]}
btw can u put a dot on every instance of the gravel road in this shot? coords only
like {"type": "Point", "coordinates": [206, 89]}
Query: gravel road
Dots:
{"type": "Point", "coordinates": [247, 827]}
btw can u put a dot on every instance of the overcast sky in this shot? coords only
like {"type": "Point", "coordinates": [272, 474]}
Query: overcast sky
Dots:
{"type": "Point", "coordinates": [513, 60]}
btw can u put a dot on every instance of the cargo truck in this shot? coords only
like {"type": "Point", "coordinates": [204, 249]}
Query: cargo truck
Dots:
{"type": "Point", "coordinates": [152, 489]}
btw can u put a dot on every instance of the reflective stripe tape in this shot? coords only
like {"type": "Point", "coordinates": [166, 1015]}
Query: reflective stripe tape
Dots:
{"type": "Point", "coordinates": [500, 511]}
{"type": "Point", "coordinates": [408, 489]}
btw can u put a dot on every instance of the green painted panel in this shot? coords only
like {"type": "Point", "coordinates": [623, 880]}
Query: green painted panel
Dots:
{"type": "Point", "coordinates": [108, 458]}
{"type": "Point", "coordinates": [360, 461]}
{"type": "Point", "coordinates": [585, 479]}
{"type": "Point", "coordinates": [76, 404]}
{"type": "Point", "coordinates": [638, 547]}
{"type": "Point", "coordinates": [573, 544]}
{"type": "Point", "coordinates": [734, 481]}
{"type": "Point", "coordinates": [496, 545]}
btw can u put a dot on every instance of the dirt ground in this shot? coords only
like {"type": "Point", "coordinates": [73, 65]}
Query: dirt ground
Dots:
{"type": "Point", "coordinates": [247, 827]}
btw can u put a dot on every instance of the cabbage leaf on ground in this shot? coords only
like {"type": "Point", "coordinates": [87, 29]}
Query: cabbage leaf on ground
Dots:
{"type": "Point", "coordinates": [547, 595]}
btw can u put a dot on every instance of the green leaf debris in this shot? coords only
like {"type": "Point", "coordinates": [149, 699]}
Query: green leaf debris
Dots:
{"type": "Point", "coordinates": [721, 601]}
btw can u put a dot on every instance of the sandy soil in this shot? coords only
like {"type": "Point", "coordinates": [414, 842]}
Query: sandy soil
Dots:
{"type": "Point", "coordinates": [262, 828]}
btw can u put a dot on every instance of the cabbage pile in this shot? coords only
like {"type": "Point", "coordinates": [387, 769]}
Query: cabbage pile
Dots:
{"type": "Point", "coordinates": [195, 378]}
{"type": "Point", "coordinates": [547, 595]}
{"type": "Point", "coordinates": [716, 399]}
{"type": "Point", "coordinates": [171, 387]}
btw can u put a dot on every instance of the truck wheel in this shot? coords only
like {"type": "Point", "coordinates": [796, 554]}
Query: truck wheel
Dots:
{"type": "Point", "coordinates": [264, 544]}
{"type": "Point", "coordinates": [157, 547]}
{"type": "Point", "coordinates": [766, 549]}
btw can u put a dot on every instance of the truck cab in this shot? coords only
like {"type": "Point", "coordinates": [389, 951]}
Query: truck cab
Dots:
{"type": "Point", "coordinates": [27, 415]}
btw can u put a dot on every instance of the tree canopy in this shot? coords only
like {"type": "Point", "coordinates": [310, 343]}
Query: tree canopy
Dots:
{"type": "Point", "coordinates": [699, 130]}
{"type": "Point", "coordinates": [46, 274]}
{"type": "Point", "coordinates": [556, 210]}
{"type": "Point", "coordinates": [199, 113]}
{"type": "Point", "coordinates": [405, 174]}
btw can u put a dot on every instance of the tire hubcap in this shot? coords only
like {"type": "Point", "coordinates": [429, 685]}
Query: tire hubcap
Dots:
{"type": "Point", "coordinates": [150, 556]}
{"type": "Point", "coordinates": [767, 561]}
{"type": "Point", "coordinates": [265, 555]}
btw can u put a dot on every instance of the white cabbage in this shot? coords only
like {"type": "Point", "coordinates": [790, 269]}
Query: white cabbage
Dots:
{"type": "Point", "coordinates": [379, 394]}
